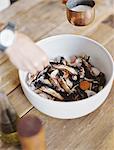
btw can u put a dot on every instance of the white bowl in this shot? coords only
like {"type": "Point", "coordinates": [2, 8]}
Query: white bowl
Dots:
{"type": "Point", "coordinates": [68, 45]}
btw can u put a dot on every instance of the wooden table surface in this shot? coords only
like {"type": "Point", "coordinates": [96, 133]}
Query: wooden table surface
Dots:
{"type": "Point", "coordinates": [43, 18]}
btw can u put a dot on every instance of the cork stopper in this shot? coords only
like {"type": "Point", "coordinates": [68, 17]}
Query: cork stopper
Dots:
{"type": "Point", "coordinates": [29, 126]}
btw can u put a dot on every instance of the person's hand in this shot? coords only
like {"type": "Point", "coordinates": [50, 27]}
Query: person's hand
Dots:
{"type": "Point", "coordinates": [25, 55]}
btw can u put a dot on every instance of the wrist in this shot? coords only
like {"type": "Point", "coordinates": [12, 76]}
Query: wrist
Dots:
{"type": "Point", "coordinates": [12, 46]}
{"type": "Point", "coordinates": [7, 35]}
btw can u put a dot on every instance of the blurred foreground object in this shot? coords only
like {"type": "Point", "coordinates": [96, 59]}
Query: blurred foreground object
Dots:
{"type": "Point", "coordinates": [8, 120]}
{"type": "Point", "coordinates": [31, 133]}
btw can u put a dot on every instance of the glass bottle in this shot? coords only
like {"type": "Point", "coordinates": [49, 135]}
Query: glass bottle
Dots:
{"type": "Point", "coordinates": [8, 120]}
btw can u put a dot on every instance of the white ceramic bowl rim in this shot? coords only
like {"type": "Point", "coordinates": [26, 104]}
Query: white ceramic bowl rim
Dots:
{"type": "Point", "coordinates": [80, 101]}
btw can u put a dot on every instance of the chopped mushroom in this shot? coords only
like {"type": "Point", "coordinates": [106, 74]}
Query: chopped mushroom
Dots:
{"type": "Point", "coordinates": [55, 83]}
{"type": "Point", "coordinates": [69, 83]}
{"type": "Point", "coordinates": [64, 84]}
{"type": "Point", "coordinates": [95, 71]}
{"type": "Point", "coordinates": [45, 95]}
{"type": "Point", "coordinates": [63, 67]}
{"type": "Point", "coordinates": [90, 93]}
{"type": "Point", "coordinates": [82, 72]}
{"type": "Point", "coordinates": [54, 73]}
{"type": "Point", "coordinates": [51, 92]}
{"type": "Point", "coordinates": [64, 80]}
{"type": "Point", "coordinates": [31, 78]}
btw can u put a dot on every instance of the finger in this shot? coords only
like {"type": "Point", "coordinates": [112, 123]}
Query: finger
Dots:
{"type": "Point", "coordinates": [18, 63]}
{"type": "Point", "coordinates": [39, 67]}
{"type": "Point", "coordinates": [36, 63]}
{"type": "Point", "coordinates": [29, 67]}
{"type": "Point", "coordinates": [43, 59]}
{"type": "Point", "coordinates": [31, 70]}
{"type": "Point", "coordinates": [46, 63]}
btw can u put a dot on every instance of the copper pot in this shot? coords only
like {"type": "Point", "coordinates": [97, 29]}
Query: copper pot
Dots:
{"type": "Point", "coordinates": [81, 18]}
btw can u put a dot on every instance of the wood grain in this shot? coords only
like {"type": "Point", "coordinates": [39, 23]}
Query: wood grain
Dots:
{"type": "Point", "coordinates": [110, 47]}
{"type": "Point", "coordinates": [3, 58]}
{"type": "Point", "coordinates": [110, 21]}
{"type": "Point", "coordinates": [9, 79]}
{"type": "Point", "coordinates": [43, 18]}
{"type": "Point", "coordinates": [19, 101]}
{"type": "Point", "coordinates": [88, 132]}
{"type": "Point", "coordinates": [102, 33]}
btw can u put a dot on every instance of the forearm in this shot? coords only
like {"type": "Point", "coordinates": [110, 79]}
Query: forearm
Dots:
{"type": "Point", "coordinates": [21, 50]}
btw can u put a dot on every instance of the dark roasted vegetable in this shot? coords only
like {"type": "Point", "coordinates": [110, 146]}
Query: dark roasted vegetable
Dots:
{"type": "Point", "coordinates": [64, 80]}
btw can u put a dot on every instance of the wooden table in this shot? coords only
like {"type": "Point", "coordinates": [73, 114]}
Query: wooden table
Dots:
{"type": "Point", "coordinates": [43, 18]}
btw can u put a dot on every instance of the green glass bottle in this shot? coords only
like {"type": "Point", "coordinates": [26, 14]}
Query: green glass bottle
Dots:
{"type": "Point", "coordinates": [8, 120]}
